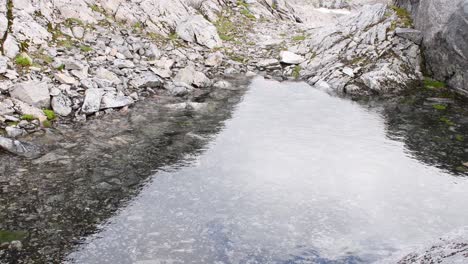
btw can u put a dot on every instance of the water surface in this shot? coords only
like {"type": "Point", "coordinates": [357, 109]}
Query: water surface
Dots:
{"type": "Point", "coordinates": [294, 176]}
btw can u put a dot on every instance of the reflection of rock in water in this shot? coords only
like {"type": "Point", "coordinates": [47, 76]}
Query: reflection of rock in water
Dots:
{"type": "Point", "coordinates": [433, 128]}
{"type": "Point", "coordinates": [88, 174]}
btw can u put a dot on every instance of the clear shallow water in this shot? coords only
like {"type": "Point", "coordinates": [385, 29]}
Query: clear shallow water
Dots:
{"type": "Point", "coordinates": [295, 176]}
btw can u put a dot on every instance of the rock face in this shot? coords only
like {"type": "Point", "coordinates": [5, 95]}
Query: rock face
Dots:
{"type": "Point", "coordinates": [19, 148]}
{"type": "Point", "coordinates": [361, 55]}
{"type": "Point", "coordinates": [444, 25]}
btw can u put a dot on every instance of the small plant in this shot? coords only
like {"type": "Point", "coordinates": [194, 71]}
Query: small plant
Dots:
{"type": "Point", "coordinates": [9, 236]}
{"type": "Point", "coordinates": [28, 117]}
{"type": "Point", "coordinates": [69, 22]}
{"type": "Point", "coordinates": [173, 36]}
{"type": "Point", "coordinates": [440, 107]}
{"type": "Point", "coordinates": [433, 84]}
{"type": "Point", "coordinates": [296, 73]}
{"type": "Point", "coordinates": [47, 124]}
{"type": "Point", "coordinates": [459, 138]}
{"type": "Point", "coordinates": [49, 114]}
{"type": "Point", "coordinates": [138, 25]}
{"type": "Point", "coordinates": [61, 67]}
{"type": "Point", "coordinates": [299, 38]}
{"type": "Point", "coordinates": [403, 15]}
{"type": "Point", "coordinates": [97, 9]}
{"type": "Point", "coordinates": [85, 48]}
{"type": "Point", "coordinates": [226, 29]}
{"type": "Point", "coordinates": [447, 121]}
{"type": "Point", "coordinates": [23, 60]}
{"type": "Point", "coordinates": [247, 14]}
{"type": "Point", "coordinates": [66, 43]}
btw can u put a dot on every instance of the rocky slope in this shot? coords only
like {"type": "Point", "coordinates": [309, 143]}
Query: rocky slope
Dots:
{"type": "Point", "coordinates": [83, 59]}
{"type": "Point", "coordinates": [444, 26]}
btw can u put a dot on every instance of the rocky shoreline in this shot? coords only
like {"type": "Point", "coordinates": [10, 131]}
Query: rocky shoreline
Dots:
{"type": "Point", "coordinates": [109, 55]}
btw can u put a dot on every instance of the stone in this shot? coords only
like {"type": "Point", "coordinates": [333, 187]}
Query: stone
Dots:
{"type": "Point", "coordinates": [146, 80]}
{"type": "Point", "coordinates": [288, 57]}
{"type": "Point", "coordinates": [78, 32]}
{"type": "Point", "coordinates": [14, 132]}
{"type": "Point", "coordinates": [348, 71]}
{"type": "Point", "coordinates": [122, 64]}
{"type": "Point", "coordinates": [110, 100]}
{"type": "Point", "coordinates": [92, 101]}
{"type": "Point", "coordinates": [19, 148]}
{"type": "Point", "coordinates": [26, 109]}
{"type": "Point", "coordinates": [6, 107]}
{"type": "Point", "coordinates": [61, 104]}
{"type": "Point", "coordinates": [72, 64]}
{"type": "Point", "coordinates": [410, 34]}
{"type": "Point", "coordinates": [214, 59]}
{"type": "Point", "coordinates": [64, 78]}
{"type": "Point", "coordinates": [267, 63]}
{"type": "Point", "coordinates": [163, 73]}
{"type": "Point", "coordinates": [197, 29]}
{"type": "Point", "coordinates": [32, 92]}
{"type": "Point", "coordinates": [3, 64]}
{"type": "Point", "coordinates": [190, 76]}
{"type": "Point", "coordinates": [105, 74]}
{"type": "Point", "coordinates": [222, 85]}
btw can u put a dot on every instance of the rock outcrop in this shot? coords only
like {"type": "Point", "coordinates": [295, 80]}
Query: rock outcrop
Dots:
{"type": "Point", "coordinates": [361, 55]}
{"type": "Point", "coordinates": [444, 25]}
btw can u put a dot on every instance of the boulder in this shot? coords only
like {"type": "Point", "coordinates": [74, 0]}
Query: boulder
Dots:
{"type": "Point", "coordinates": [92, 101]}
{"type": "Point", "coordinates": [22, 149]}
{"type": "Point", "coordinates": [26, 109]}
{"type": "Point", "coordinates": [288, 57]}
{"type": "Point", "coordinates": [214, 59]}
{"type": "Point", "coordinates": [105, 74]}
{"type": "Point", "coordinates": [111, 100]}
{"type": "Point", "coordinates": [146, 80]}
{"type": "Point", "coordinates": [14, 132]}
{"type": "Point", "coordinates": [190, 76]}
{"type": "Point", "coordinates": [61, 104]}
{"type": "Point", "coordinates": [64, 78]}
{"type": "Point", "coordinates": [32, 92]}
{"type": "Point", "coordinates": [197, 29]}
{"type": "Point", "coordinates": [408, 33]}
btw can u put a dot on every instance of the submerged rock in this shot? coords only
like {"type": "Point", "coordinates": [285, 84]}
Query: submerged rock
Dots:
{"type": "Point", "coordinates": [22, 149]}
{"type": "Point", "coordinates": [92, 101]}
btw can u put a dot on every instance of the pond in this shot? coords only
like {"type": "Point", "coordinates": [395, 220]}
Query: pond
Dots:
{"type": "Point", "coordinates": [272, 173]}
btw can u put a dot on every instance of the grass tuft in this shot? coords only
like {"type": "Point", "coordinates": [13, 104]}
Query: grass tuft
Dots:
{"type": "Point", "coordinates": [50, 114]}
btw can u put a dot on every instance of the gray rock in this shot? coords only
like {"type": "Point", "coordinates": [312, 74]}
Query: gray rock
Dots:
{"type": "Point", "coordinates": [197, 29]}
{"type": "Point", "coordinates": [146, 80]}
{"type": "Point", "coordinates": [267, 63]}
{"type": "Point", "coordinates": [190, 76]}
{"type": "Point", "coordinates": [33, 93]}
{"type": "Point", "coordinates": [444, 25]}
{"type": "Point", "coordinates": [14, 132]}
{"type": "Point", "coordinates": [288, 57]}
{"type": "Point", "coordinates": [163, 73]}
{"type": "Point", "coordinates": [61, 104]}
{"type": "Point", "coordinates": [22, 149]}
{"type": "Point", "coordinates": [105, 74]}
{"type": "Point", "coordinates": [6, 107]}
{"type": "Point", "coordinates": [26, 109]}
{"type": "Point", "coordinates": [178, 88]}
{"type": "Point", "coordinates": [72, 64]}
{"type": "Point", "coordinates": [64, 78]}
{"type": "Point", "coordinates": [214, 59]}
{"type": "Point", "coordinates": [222, 85]}
{"type": "Point", "coordinates": [122, 64]}
{"type": "Point", "coordinates": [410, 34]}
{"type": "Point", "coordinates": [92, 101]}
{"type": "Point", "coordinates": [3, 64]}
{"type": "Point", "coordinates": [110, 100]}
{"type": "Point", "coordinates": [78, 32]}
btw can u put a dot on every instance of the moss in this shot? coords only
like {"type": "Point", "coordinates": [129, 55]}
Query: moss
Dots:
{"type": "Point", "coordinates": [23, 60]}
{"type": "Point", "coordinates": [403, 15]}
{"type": "Point", "coordinates": [85, 48]}
{"type": "Point", "coordinates": [61, 67]}
{"type": "Point", "coordinates": [247, 14]}
{"type": "Point", "coordinates": [47, 124]}
{"type": "Point", "coordinates": [97, 9]}
{"type": "Point", "coordinates": [274, 6]}
{"type": "Point", "coordinates": [173, 36]}
{"type": "Point", "coordinates": [299, 38]}
{"type": "Point", "coordinates": [28, 117]}
{"type": "Point", "coordinates": [65, 43]}
{"type": "Point", "coordinates": [238, 58]}
{"type": "Point", "coordinates": [296, 73]}
{"type": "Point", "coordinates": [69, 22]}
{"type": "Point", "coordinates": [447, 121]}
{"type": "Point", "coordinates": [138, 26]}
{"type": "Point", "coordinates": [459, 138]}
{"type": "Point", "coordinates": [226, 29]}
{"type": "Point", "coordinates": [9, 236]}
{"type": "Point", "coordinates": [433, 84]}
{"type": "Point", "coordinates": [242, 3]}
{"type": "Point", "coordinates": [440, 107]}
{"type": "Point", "coordinates": [49, 114]}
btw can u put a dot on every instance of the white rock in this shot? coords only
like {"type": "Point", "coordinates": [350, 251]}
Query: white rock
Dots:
{"type": "Point", "coordinates": [78, 32]}
{"type": "Point", "coordinates": [32, 92]}
{"type": "Point", "coordinates": [122, 64]}
{"type": "Point", "coordinates": [61, 105]}
{"type": "Point", "coordinates": [26, 109]}
{"type": "Point", "coordinates": [163, 73]}
{"type": "Point", "coordinates": [190, 76]}
{"type": "Point", "coordinates": [267, 63]}
{"type": "Point", "coordinates": [197, 29]}
{"type": "Point", "coordinates": [214, 59]}
{"type": "Point", "coordinates": [3, 64]}
{"type": "Point", "coordinates": [291, 58]}
{"type": "Point", "coordinates": [110, 100]}
{"type": "Point", "coordinates": [146, 80]}
{"type": "Point", "coordinates": [92, 102]}
{"type": "Point", "coordinates": [348, 71]}
{"type": "Point", "coordinates": [105, 74]}
{"type": "Point", "coordinates": [64, 78]}
{"type": "Point", "coordinates": [14, 132]}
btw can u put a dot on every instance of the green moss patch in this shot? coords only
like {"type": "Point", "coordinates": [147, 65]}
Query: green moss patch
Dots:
{"type": "Point", "coordinates": [9, 236]}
